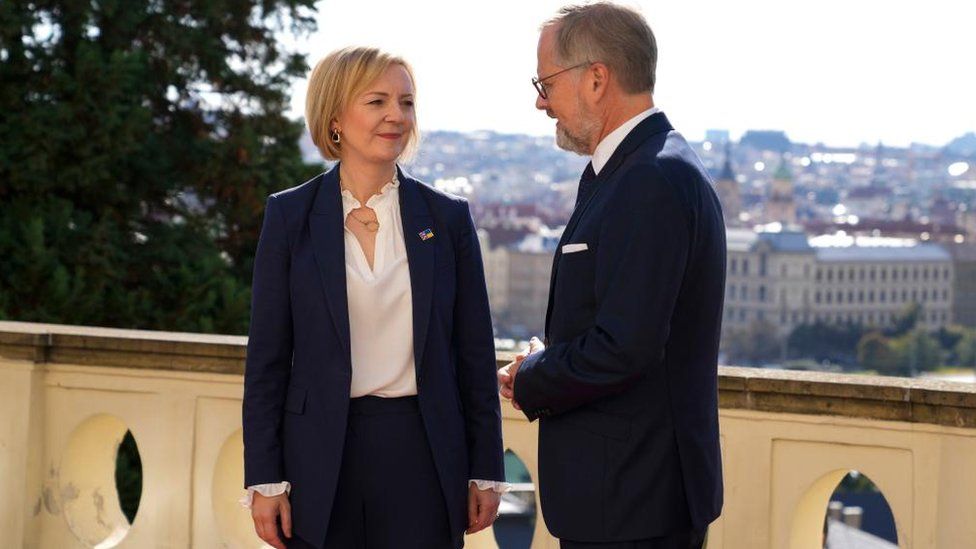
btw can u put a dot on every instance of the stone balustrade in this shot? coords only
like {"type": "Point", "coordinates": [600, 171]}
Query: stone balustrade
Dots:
{"type": "Point", "coordinates": [68, 395]}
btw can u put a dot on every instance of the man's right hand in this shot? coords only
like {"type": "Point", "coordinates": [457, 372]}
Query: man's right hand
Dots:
{"type": "Point", "coordinates": [507, 373]}
{"type": "Point", "coordinates": [265, 512]}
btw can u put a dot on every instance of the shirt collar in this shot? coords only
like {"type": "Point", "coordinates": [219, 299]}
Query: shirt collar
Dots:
{"type": "Point", "coordinates": [613, 139]}
{"type": "Point", "coordinates": [381, 200]}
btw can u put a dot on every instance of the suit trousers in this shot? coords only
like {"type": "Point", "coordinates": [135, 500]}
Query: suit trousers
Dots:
{"type": "Point", "coordinates": [389, 494]}
{"type": "Point", "coordinates": [689, 539]}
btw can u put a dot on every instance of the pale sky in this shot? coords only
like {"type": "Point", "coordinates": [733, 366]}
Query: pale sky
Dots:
{"type": "Point", "coordinates": [836, 71]}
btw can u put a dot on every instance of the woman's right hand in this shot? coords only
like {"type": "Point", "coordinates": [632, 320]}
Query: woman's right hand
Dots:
{"type": "Point", "coordinates": [265, 512]}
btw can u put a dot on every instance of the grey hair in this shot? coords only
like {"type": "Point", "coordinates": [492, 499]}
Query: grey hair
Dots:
{"type": "Point", "coordinates": [614, 35]}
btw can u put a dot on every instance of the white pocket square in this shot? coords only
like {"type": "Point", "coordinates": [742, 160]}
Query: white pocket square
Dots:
{"type": "Point", "coordinates": [573, 248]}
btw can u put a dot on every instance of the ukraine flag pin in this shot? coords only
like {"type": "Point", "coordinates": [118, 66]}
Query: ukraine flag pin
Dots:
{"type": "Point", "coordinates": [426, 234]}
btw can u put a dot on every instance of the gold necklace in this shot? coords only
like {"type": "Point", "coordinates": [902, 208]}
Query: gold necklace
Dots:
{"type": "Point", "coordinates": [371, 225]}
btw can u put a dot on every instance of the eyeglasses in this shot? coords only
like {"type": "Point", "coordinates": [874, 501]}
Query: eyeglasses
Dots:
{"type": "Point", "coordinates": [541, 88]}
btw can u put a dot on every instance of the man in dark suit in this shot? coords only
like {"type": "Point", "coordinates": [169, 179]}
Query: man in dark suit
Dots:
{"type": "Point", "coordinates": [626, 387]}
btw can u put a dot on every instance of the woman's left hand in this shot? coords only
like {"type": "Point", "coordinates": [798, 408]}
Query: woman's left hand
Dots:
{"type": "Point", "coordinates": [482, 508]}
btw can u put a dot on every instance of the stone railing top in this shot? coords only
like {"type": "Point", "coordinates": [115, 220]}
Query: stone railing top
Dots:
{"type": "Point", "coordinates": [914, 400]}
{"type": "Point", "coordinates": [779, 391]}
{"type": "Point", "coordinates": [87, 345]}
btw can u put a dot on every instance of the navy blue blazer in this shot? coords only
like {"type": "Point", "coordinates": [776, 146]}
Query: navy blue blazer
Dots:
{"type": "Point", "coordinates": [627, 388]}
{"type": "Point", "coordinates": [298, 368]}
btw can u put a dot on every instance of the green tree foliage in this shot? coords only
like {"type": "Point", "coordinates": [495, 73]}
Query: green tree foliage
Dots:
{"type": "Point", "coordinates": [138, 140]}
{"type": "Point", "coordinates": [948, 337]}
{"type": "Point", "coordinates": [754, 345]}
{"type": "Point", "coordinates": [965, 350]}
{"type": "Point", "coordinates": [918, 351]}
{"type": "Point", "coordinates": [906, 321]}
{"type": "Point", "coordinates": [854, 483]}
{"type": "Point", "coordinates": [821, 341]}
{"type": "Point", "coordinates": [875, 352]}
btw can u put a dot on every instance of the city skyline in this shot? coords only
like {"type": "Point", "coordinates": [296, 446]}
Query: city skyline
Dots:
{"type": "Point", "coordinates": [830, 72]}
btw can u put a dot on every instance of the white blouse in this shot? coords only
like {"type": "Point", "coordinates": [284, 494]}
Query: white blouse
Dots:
{"type": "Point", "coordinates": [380, 309]}
{"type": "Point", "coordinates": [380, 303]}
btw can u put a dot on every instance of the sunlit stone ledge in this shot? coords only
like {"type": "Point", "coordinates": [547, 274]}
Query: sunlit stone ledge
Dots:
{"type": "Point", "coordinates": [69, 393]}
{"type": "Point", "coordinates": [878, 397]}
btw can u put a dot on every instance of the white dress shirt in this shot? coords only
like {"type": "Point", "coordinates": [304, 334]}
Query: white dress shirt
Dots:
{"type": "Point", "coordinates": [380, 309]}
{"type": "Point", "coordinates": [609, 144]}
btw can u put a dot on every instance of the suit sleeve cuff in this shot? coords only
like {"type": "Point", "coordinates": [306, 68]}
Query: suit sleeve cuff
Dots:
{"type": "Point", "coordinates": [530, 403]}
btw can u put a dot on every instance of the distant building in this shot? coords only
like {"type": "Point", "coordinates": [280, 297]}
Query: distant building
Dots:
{"type": "Point", "coordinates": [905, 228]}
{"type": "Point", "coordinates": [967, 222]}
{"type": "Point", "coordinates": [964, 285]}
{"type": "Point", "coordinates": [941, 211]}
{"type": "Point", "coordinates": [769, 276]}
{"type": "Point", "coordinates": [780, 204]}
{"type": "Point", "coordinates": [496, 263]}
{"type": "Point", "coordinates": [727, 189]}
{"type": "Point", "coordinates": [530, 267]}
{"type": "Point", "coordinates": [880, 177]}
{"type": "Point", "coordinates": [868, 201]}
{"type": "Point", "coordinates": [718, 138]}
{"type": "Point", "coordinates": [964, 145]}
{"type": "Point", "coordinates": [789, 279]}
{"type": "Point", "coordinates": [766, 140]}
{"type": "Point", "coordinates": [531, 215]}
{"type": "Point", "coordinates": [517, 275]}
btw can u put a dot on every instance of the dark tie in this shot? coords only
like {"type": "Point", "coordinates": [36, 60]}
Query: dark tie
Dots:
{"type": "Point", "coordinates": [585, 184]}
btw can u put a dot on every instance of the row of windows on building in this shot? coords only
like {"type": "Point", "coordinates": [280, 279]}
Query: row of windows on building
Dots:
{"type": "Point", "coordinates": [851, 274]}
{"type": "Point", "coordinates": [873, 274]}
{"type": "Point", "coordinates": [741, 293]}
{"type": "Point", "coordinates": [882, 296]}
{"type": "Point", "coordinates": [734, 267]}
{"type": "Point", "coordinates": [796, 317]}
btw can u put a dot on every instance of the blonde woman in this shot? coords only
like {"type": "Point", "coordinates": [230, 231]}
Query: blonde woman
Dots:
{"type": "Point", "coordinates": [371, 415]}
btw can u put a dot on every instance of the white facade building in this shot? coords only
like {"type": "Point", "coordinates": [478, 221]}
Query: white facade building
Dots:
{"type": "Point", "coordinates": [788, 279]}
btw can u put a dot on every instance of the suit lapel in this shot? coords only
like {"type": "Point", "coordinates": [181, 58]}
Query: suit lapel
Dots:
{"type": "Point", "coordinates": [328, 245]}
{"type": "Point", "coordinates": [652, 125]}
{"type": "Point", "coordinates": [420, 257]}
{"type": "Point", "coordinates": [563, 240]}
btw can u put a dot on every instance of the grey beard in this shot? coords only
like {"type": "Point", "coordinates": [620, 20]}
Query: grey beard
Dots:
{"type": "Point", "coordinates": [581, 143]}
{"type": "Point", "coordinates": [571, 143]}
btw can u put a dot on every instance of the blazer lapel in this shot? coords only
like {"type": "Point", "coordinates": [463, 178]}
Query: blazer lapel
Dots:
{"type": "Point", "coordinates": [420, 257]}
{"type": "Point", "coordinates": [328, 245]}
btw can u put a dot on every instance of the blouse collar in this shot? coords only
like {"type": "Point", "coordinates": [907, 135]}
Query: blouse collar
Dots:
{"type": "Point", "coordinates": [381, 201]}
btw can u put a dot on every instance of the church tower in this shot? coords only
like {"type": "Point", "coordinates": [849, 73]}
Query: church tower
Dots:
{"type": "Point", "coordinates": [780, 205]}
{"type": "Point", "coordinates": [728, 190]}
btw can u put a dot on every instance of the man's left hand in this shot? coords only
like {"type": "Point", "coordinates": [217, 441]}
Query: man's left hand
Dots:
{"type": "Point", "coordinates": [482, 508]}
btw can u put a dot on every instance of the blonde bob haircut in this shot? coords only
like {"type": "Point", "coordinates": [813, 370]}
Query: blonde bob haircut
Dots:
{"type": "Point", "coordinates": [338, 79]}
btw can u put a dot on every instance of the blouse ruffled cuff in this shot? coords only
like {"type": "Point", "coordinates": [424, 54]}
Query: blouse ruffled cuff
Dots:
{"type": "Point", "coordinates": [497, 486]}
{"type": "Point", "coordinates": [266, 490]}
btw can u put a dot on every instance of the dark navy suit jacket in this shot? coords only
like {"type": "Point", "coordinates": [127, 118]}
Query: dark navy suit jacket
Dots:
{"type": "Point", "coordinates": [627, 388]}
{"type": "Point", "coordinates": [298, 369]}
